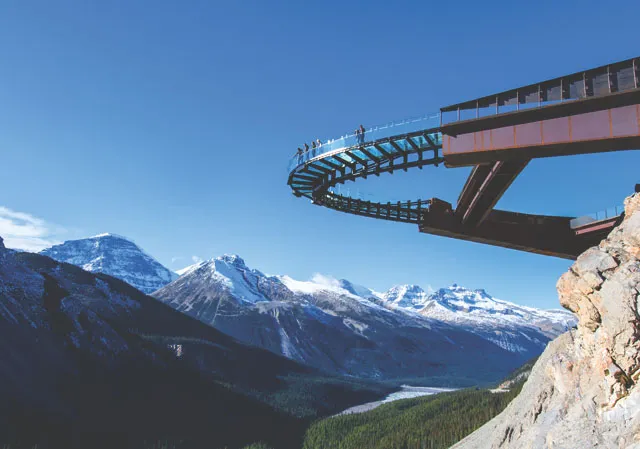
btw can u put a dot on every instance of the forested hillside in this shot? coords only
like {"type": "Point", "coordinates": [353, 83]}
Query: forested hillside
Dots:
{"type": "Point", "coordinates": [430, 422]}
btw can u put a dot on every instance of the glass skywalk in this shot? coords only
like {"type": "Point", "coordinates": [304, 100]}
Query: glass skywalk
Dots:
{"type": "Point", "coordinates": [372, 135]}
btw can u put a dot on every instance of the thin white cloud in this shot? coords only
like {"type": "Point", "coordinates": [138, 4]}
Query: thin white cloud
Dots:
{"type": "Point", "coordinates": [26, 232]}
{"type": "Point", "coordinates": [327, 281]}
{"type": "Point", "coordinates": [175, 259]}
{"type": "Point", "coordinates": [196, 259]}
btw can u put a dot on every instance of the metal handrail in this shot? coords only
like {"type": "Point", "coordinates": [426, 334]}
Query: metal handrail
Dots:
{"type": "Point", "coordinates": [601, 215]}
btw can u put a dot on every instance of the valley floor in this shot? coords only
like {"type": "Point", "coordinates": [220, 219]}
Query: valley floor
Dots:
{"type": "Point", "coordinates": [407, 392]}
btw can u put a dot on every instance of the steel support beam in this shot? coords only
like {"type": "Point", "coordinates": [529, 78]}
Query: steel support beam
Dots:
{"type": "Point", "coordinates": [483, 189]}
{"type": "Point", "coordinates": [539, 234]}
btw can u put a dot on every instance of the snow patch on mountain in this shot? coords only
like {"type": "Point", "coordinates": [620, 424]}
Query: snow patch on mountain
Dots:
{"type": "Point", "coordinates": [187, 269]}
{"type": "Point", "coordinates": [322, 283]}
{"type": "Point", "coordinates": [335, 288]}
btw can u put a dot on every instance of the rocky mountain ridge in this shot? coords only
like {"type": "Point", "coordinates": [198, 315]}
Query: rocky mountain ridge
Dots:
{"type": "Point", "coordinates": [336, 325]}
{"type": "Point", "coordinates": [345, 328]}
{"type": "Point", "coordinates": [120, 257]}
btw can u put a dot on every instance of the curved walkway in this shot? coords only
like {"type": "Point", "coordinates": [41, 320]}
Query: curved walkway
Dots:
{"type": "Point", "coordinates": [398, 146]}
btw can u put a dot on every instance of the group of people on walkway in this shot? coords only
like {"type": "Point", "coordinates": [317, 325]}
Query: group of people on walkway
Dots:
{"type": "Point", "coordinates": [359, 133]}
{"type": "Point", "coordinates": [314, 144]}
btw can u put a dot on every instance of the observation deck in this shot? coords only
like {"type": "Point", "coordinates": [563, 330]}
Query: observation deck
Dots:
{"type": "Point", "coordinates": [596, 110]}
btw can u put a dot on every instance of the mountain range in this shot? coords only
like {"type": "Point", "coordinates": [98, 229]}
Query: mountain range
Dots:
{"type": "Point", "coordinates": [89, 361]}
{"type": "Point", "coordinates": [450, 336]}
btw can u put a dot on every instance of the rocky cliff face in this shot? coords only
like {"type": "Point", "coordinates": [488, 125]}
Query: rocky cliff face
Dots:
{"type": "Point", "coordinates": [582, 392]}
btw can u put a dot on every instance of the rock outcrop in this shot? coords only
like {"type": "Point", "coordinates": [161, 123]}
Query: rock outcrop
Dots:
{"type": "Point", "coordinates": [583, 392]}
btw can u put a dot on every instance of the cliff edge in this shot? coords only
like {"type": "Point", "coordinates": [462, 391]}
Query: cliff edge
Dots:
{"type": "Point", "coordinates": [583, 392]}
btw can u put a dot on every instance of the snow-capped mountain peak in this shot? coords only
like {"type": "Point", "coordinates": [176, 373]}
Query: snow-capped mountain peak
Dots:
{"type": "Point", "coordinates": [116, 256]}
{"type": "Point", "coordinates": [405, 296]}
{"type": "Point", "coordinates": [233, 260]}
{"type": "Point", "coordinates": [231, 274]}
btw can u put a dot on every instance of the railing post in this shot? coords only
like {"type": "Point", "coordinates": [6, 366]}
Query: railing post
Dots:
{"type": "Point", "coordinates": [635, 74]}
{"type": "Point", "coordinates": [539, 95]}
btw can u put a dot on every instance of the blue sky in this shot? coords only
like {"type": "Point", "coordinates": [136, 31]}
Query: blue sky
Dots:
{"type": "Point", "coordinates": [172, 122]}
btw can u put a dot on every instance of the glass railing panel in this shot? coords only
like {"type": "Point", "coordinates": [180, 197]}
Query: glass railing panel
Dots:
{"type": "Point", "coordinates": [467, 114]}
{"type": "Point", "coordinates": [503, 109]}
{"type": "Point", "coordinates": [486, 111]}
{"type": "Point", "coordinates": [624, 79]}
{"type": "Point", "coordinates": [533, 105]}
{"type": "Point", "coordinates": [614, 211]}
{"type": "Point", "coordinates": [491, 110]}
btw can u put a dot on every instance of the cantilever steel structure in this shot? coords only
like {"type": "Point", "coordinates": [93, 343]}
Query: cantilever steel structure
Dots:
{"type": "Point", "coordinates": [596, 110]}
